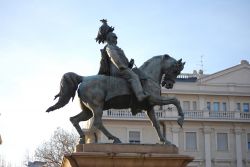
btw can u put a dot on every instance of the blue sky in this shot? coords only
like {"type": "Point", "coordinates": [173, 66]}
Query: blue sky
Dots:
{"type": "Point", "coordinates": [41, 40]}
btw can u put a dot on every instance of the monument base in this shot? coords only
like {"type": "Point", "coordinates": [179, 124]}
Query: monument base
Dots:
{"type": "Point", "coordinates": [125, 155]}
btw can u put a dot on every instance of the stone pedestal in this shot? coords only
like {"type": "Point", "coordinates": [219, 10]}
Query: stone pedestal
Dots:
{"type": "Point", "coordinates": [125, 155]}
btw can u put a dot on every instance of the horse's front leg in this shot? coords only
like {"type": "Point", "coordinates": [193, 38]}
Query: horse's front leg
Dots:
{"type": "Point", "coordinates": [156, 125]}
{"type": "Point", "coordinates": [161, 100]}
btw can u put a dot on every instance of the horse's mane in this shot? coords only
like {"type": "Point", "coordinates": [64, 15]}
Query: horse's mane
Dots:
{"type": "Point", "coordinates": [150, 61]}
{"type": "Point", "coordinates": [154, 60]}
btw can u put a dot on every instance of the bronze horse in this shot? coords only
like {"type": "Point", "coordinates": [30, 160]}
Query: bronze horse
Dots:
{"type": "Point", "coordinates": [100, 92]}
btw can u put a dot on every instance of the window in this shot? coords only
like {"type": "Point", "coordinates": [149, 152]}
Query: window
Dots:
{"type": "Point", "coordinates": [186, 105]}
{"type": "Point", "coordinates": [191, 141]}
{"type": "Point", "coordinates": [194, 105]}
{"type": "Point", "coordinates": [216, 106]}
{"type": "Point", "coordinates": [238, 108]}
{"type": "Point", "coordinates": [246, 107]}
{"type": "Point", "coordinates": [222, 142]}
{"type": "Point", "coordinates": [208, 106]}
{"type": "Point", "coordinates": [248, 141]}
{"type": "Point", "coordinates": [134, 137]}
{"type": "Point", "coordinates": [224, 106]}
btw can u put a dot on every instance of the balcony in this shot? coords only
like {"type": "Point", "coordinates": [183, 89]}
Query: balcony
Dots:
{"type": "Point", "coordinates": [122, 114]}
{"type": "Point", "coordinates": [171, 114]}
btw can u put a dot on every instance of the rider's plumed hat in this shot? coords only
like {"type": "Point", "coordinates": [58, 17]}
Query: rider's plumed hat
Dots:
{"type": "Point", "coordinates": [103, 31]}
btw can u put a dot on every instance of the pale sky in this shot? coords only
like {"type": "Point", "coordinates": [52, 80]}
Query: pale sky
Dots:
{"type": "Point", "coordinates": [42, 40]}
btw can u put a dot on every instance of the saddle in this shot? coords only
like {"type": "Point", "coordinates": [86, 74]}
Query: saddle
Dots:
{"type": "Point", "coordinates": [118, 88]}
{"type": "Point", "coordinates": [121, 84]}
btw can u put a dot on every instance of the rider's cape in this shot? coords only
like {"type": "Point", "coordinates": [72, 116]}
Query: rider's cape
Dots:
{"type": "Point", "coordinates": [104, 63]}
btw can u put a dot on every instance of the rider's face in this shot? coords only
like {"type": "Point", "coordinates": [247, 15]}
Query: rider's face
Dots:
{"type": "Point", "coordinates": [112, 38]}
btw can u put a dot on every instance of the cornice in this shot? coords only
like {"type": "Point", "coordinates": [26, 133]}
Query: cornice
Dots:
{"type": "Point", "coordinates": [202, 92]}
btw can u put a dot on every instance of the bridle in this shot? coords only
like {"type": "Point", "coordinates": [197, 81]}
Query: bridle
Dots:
{"type": "Point", "coordinates": [174, 71]}
{"type": "Point", "coordinates": [166, 79]}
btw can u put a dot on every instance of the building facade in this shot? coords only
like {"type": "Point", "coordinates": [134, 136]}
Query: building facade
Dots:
{"type": "Point", "coordinates": [217, 119]}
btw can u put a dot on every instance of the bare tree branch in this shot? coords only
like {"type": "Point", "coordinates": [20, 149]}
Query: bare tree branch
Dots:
{"type": "Point", "coordinates": [52, 151]}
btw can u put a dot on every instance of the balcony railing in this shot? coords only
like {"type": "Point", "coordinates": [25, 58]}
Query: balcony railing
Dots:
{"type": "Point", "coordinates": [170, 114]}
{"type": "Point", "coordinates": [122, 113]}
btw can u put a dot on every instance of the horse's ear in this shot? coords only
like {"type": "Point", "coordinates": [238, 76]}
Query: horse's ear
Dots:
{"type": "Point", "coordinates": [180, 65]}
{"type": "Point", "coordinates": [180, 61]}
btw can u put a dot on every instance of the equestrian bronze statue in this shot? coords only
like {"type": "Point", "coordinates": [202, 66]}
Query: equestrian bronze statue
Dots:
{"type": "Point", "coordinates": [119, 86]}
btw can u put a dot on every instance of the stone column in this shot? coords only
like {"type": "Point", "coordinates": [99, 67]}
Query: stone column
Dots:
{"type": "Point", "coordinates": [232, 104]}
{"type": "Point", "coordinates": [238, 146]}
{"type": "Point", "coordinates": [201, 103]}
{"type": "Point", "coordinates": [207, 133]}
{"type": "Point", "coordinates": [175, 131]}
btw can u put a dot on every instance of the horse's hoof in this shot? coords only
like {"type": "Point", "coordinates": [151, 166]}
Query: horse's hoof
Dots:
{"type": "Point", "coordinates": [166, 142]}
{"type": "Point", "coordinates": [180, 121]}
{"type": "Point", "coordinates": [117, 141]}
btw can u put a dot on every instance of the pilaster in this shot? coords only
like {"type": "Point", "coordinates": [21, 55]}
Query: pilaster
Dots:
{"type": "Point", "coordinates": [238, 132]}
{"type": "Point", "coordinates": [176, 131]}
{"type": "Point", "coordinates": [207, 133]}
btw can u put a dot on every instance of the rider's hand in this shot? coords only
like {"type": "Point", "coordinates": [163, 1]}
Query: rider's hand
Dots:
{"type": "Point", "coordinates": [131, 63]}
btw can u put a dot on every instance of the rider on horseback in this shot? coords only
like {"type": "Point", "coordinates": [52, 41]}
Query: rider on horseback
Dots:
{"type": "Point", "coordinates": [115, 63]}
{"type": "Point", "coordinates": [97, 93]}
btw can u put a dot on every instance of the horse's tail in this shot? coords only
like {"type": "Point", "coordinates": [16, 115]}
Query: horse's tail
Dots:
{"type": "Point", "coordinates": [68, 86]}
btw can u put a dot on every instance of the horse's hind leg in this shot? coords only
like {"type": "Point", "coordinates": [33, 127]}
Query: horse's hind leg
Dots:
{"type": "Point", "coordinates": [99, 125]}
{"type": "Point", "coordinates": [85, 115]}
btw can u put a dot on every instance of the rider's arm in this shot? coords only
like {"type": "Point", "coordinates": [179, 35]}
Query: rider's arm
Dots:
{"type": "Point", "coordinates": [117, 57]}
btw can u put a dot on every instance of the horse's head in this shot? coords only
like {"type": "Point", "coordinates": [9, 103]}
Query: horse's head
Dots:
{"type": "Point", "coordinates": [171, 69]}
